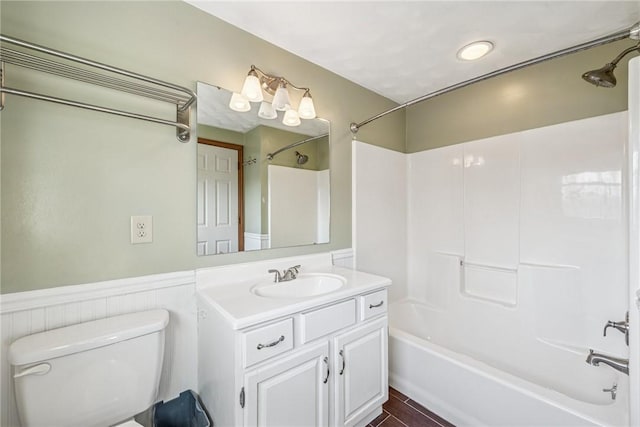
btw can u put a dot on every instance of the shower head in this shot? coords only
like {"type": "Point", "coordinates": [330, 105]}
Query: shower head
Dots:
{"type": "Point", "coordinates": [603, 77]}
{"type": "Point", "coordinates": [301, 158]}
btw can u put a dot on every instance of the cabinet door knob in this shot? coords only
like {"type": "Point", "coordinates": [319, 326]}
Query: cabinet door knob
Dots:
{"type": "Point", "coordinates": [376, 305]}
{"type": "Point", "coordinates": [343, 361]}
{"type": "Point", "coordinates": [271, 344]}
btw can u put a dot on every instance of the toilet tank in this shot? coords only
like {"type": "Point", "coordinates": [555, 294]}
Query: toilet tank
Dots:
{"type": "Point", "coordinates": [96, 373]}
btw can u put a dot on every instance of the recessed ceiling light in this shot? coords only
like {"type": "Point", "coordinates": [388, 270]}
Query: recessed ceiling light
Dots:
{"type": "Point", "coordinates": [475, 50]}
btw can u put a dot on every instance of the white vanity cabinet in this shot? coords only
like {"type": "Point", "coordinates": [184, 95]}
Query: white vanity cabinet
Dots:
{"type": "Point", "coordinates": [291, 391]}
{"type": "Point", "coordinates": [360, 360]}
{"type": "Point", "coordinates": [325, 365]}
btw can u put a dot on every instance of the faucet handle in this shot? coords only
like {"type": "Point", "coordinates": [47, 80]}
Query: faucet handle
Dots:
{"type": "Point", "coordinates": [278, 276]}
{"type": "Point", "coordinates": [622, 326]}
{"type": "Point", "coordinates": [609, 324]}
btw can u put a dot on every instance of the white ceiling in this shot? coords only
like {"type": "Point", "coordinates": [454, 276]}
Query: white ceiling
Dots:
{"type": "Point", "coordinates": [403, 50]}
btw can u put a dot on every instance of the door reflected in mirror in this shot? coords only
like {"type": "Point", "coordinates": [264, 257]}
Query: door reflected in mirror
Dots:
{"type": "Point", "coordinates": [261, 184]}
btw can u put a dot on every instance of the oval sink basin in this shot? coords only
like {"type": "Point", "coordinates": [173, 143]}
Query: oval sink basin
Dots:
{"type": "Point", "coordinates": [305, 285]}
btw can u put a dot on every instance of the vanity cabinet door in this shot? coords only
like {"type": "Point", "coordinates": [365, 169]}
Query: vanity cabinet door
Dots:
{"type": "Point", "coordinates": [360, 371]}
{"type": "Point", "coordinates": [292, 391]}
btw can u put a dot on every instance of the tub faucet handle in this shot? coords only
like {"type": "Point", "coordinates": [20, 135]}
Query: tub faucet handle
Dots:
{"type": "Point", "coordinates": [622, 326]}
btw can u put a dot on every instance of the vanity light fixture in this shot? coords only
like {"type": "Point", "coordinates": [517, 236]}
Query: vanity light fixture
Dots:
{"type": "Point", "coordinates": [259, 82]}
{"type": "Point", "coordinates": [291, 118]}
{"type": "Point", "coordinates": [239, 103]}
{"type": "Point", "coordinates": [267, 111]}
{"type": "Point", "coordinates": [475, 50]}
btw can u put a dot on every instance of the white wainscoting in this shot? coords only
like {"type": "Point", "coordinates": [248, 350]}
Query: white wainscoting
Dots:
{"type": "Point", "coordinates": [27, 313]}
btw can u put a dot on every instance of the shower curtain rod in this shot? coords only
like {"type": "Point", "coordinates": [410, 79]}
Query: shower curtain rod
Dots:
{"type": "Point", "coordinates": [632, 32]}
{"type": "Point", "coordinates": [270, 156]}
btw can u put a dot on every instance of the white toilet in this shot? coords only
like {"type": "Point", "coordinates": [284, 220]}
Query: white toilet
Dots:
{"type": "Point", "coordinates": [97, 373]}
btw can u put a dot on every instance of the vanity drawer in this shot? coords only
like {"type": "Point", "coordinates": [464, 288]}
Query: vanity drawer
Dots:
{"type": "Point", "coordinates": [373, 304]}
{"type": "Point", "coordinates": [317, 323]}
{"type": "Point", "coordinates": [268, 341]}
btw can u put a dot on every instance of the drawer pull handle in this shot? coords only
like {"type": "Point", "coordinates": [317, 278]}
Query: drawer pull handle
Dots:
{"type": "Point", "coordinates": [326, 362]}
{"type": "Point", "coordinates": [271, 344]}
{"type": "Point", "coordinates": [343, 362]}
{"type": "Point", "coordinates": [376, 305]}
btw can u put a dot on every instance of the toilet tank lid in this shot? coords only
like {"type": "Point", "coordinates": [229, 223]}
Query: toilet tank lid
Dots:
{"type": "Point", "coordinates": [85, 336]}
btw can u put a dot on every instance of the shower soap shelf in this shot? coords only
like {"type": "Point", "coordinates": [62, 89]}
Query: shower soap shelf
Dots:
{"type": "Point", "coordinates": [50, 61]}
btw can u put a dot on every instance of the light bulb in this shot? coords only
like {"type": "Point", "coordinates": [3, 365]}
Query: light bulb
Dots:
{"type": "Point", "coordinates": [281, 98]}
{"type": "Point", "coordinates": [306, 110]}
{"type": "Point", "coordinates": [239, 103]}
{"type": "Point", "coordinates": [291, 118]}
{"type": "Point", "coordinates": [266, 111]}
{"type": "Point", "coordinates": [251, 88]}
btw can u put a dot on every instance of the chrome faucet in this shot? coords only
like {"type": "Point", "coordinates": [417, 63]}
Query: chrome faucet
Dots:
{"type": "Point", "coordinates": [287, 275]}
{"type": "Point", "coordinates": [622, 326]}
{"type": "Point", "coordinates": [616, 363]}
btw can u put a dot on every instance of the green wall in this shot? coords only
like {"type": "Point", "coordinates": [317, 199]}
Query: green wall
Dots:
{"type": "Point", "coordinates": [219, 134]}
{"type": "Point", "coordinates": [71, 179]}
{"type": "Point", "coordinates": [540, 95]}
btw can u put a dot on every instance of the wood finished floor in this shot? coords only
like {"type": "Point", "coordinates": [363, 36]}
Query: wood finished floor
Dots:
{"type": "Point", "coordinates": [401, 411]}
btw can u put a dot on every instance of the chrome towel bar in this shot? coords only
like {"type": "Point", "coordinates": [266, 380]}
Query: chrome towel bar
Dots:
{"type": "Point", "coordinates": [97, 74]}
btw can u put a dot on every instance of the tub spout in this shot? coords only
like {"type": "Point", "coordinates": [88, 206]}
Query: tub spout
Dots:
{"type": "Point", "coordinates": [616, 363]}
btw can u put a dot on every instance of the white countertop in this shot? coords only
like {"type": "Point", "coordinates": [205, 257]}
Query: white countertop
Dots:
{"type": "Point", "coordinates": [242, 308]}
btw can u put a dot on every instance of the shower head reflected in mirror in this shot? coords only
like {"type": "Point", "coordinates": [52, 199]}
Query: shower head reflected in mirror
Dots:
{"type": "Point", "coordinates": [604, 77]}
{"type": "Point", "coordinates": [301, 159]}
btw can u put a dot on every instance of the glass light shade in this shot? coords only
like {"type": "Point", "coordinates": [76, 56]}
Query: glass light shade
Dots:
{"type": "Point", "coordinates": [266, 111]}
{"type": "Point", "coordinates": [251, 89]}
{"type": "Point", "coordinates": [281, 99]}
{"type": "Point", "coordinates": [239, 103]}
{"type": "Point", "coordinates": [306, 110]}
{"type": "Point", "coordinates": [475, 50]}
{"type": "Point", "coordinates": [291, 118]}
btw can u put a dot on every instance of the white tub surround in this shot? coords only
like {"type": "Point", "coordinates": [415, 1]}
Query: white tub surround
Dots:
{"type": "Point", "coordinates": [379, 213]}
{"type": "Point", "coordinates": [319, 360]}
{"type": "Point", "coordinates": [517, 258]}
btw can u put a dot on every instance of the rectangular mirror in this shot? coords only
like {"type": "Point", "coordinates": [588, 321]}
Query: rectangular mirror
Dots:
{"type": "Point", "coordinates": [261, 184]}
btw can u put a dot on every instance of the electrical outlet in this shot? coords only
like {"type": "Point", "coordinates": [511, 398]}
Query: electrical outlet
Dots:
{"type": "Point", "coordinates": [141, 229]}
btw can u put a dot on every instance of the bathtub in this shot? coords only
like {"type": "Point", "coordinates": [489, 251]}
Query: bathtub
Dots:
{"type": "Point", "coordinates": [457, 378]}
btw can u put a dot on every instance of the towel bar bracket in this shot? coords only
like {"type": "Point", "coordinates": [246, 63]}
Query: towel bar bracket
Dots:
{"type": "Point", "coordinates": [182, 117]}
